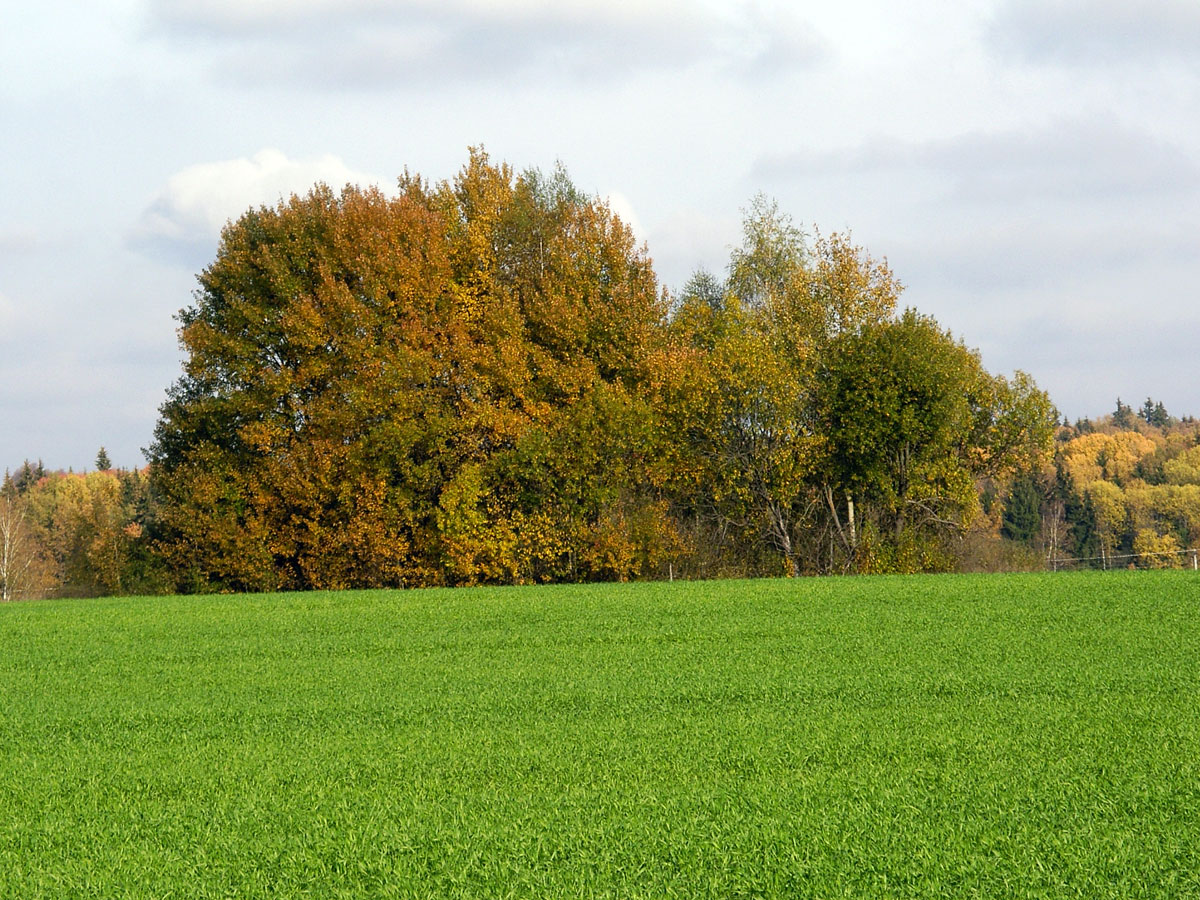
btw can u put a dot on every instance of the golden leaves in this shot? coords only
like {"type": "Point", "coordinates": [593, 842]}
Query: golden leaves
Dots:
{"type": "Point", "coordinates": [1112, 457]}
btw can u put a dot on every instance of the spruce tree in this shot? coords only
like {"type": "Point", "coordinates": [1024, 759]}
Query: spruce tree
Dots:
{"type": "Point", "coordinates": [1023, 511]}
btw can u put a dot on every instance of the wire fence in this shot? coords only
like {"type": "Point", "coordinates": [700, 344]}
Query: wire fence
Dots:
{"type": "Point", "coordinates": [1190, 558]}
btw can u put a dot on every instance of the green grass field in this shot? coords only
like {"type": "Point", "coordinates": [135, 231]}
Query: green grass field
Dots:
{"type": "Point", "coordinates": [952, 736]}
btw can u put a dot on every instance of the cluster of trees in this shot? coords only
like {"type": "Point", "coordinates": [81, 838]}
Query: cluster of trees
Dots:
{"type": "Point", "coordinates": [77, 534]}
{"type": "Point", "coordinates": [1122, 490]}
{"type": "Point", "coordinates": [481, 381]}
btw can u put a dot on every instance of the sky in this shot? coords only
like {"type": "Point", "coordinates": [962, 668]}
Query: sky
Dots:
{"type": "Point", "coordinates": [1029, 168]}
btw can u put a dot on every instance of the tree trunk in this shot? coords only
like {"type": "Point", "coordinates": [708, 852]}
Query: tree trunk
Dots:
{"type": "Point", "coordinates": [783, 538]}
{"type": "Point", "coordinates": [848, 535]}
{"type": "Point", "coordinates": [837, 520]}
{"type": "Point", "coordinates": [17, 553]}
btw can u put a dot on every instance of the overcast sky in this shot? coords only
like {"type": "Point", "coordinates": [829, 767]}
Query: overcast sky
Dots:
{"type": "Point", "coordinates": [1030, 168]}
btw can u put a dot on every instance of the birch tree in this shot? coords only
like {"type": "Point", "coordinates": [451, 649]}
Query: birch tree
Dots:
{"type": "Point", "coordinates": [24, 569]}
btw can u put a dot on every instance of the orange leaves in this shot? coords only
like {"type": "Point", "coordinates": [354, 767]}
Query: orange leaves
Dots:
{"type": "Point", "coordinates": [477, 381]}
{"type": "Point", "coordinates": [353, 356]}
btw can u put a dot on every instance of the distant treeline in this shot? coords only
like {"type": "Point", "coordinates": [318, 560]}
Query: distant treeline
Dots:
{"type": "Point", "coordinates": [481, 381]}
{"type": "Point", "coordinates": [69, 534]}
{"type": "Point", "coordinates": [1122, 491]}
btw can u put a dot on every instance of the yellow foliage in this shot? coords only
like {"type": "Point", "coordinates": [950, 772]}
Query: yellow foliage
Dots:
{"type": "Point", "coordinates": [1184, 468]}
{"type": "Point", "coordinates": [1165, 506]}
{"type": "Point", "coordinates": [1112, 457]}
{"type": "Point", "coordinates": [1108, 501]}
{"type": "Point", "coordinates": [1157, 551]}
{"type": "Point", "coordinates": [845, 289]}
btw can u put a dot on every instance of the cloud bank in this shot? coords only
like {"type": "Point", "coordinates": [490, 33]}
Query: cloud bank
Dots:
{"type": "Point", "coordinates": [1098, 32]}
{"type": "Point", "coordinates": [8, 311]}
{"type": "Point", "coordinates": [186, 217]}
{"type": "Point", "coordinates": [1090, 159]}
{"type": "Point", "coordinates": [369, 43]}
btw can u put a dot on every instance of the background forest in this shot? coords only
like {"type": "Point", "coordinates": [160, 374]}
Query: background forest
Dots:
{"type": "Point", "coordinates": [481, 381]}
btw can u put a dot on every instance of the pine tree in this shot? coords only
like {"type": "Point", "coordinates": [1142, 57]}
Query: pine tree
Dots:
{"type": "Point", "coordinates": [1159, 416]}
{"type": "Point", "coordinates": [28, 475]}
{"type": "Point", "coordinates": [1147, 411]}
{"type": "Point", "coordinates": [1023, 511]}
{"type": "Point", "coordinates": [1123, 417]}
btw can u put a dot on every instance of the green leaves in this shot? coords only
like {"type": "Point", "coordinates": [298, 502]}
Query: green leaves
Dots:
{"type": "Point", "coordinates": [809, 409]}
{"type": "Point", "coordinates": [918, 421]}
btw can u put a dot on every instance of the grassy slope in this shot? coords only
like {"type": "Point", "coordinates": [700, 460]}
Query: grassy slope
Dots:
{"type": "Point", "coordinates": [948, 736]}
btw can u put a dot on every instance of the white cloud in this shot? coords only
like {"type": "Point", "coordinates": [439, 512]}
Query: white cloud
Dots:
{"type": "Point", "coordinates": [193, 206]}
{"type": "Point", "coordinates": [1098, 32]}
{"type": "Point", "coordinates": [1069, 159]}
{"type": "Point", "coordinates": [384, 44]}
{"type": "Point", "coordinates": [23, 242]}
{"type": "Point", "coordinates": [623, 207]}
{"type": "Point", "coordinates": [247, 17]}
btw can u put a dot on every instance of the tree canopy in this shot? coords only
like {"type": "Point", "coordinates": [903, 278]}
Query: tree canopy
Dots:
{"type": "Point", "coordinates": [393, 390]}
{"type": "Point", "coordinates": [481, 380]}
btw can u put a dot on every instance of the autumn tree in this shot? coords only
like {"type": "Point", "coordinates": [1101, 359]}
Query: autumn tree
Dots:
{"type": "Point", "coordinates": [25, 570]}
{"type": "Point", "coordinates": [804, 405]}
{"type": "Point", "coordinates": [913, 422]}
{"type": "Point", "coordinates": [1129, 489]}
{"type": "Point", "coordinates": [892, 404]}
{"type": "Point", "coordinates": [1110, 515]}
{"type": "Point", "coordinates": [739, 405]}
{"type": "Point", "coordinates": [314, 343]}
{"type": "Point", "coordinates": [1165, 509]}
{"type": "Point", "coordinates": [478, 381]}
{"type": "Point", "coordinates": [1100, 456]}
{"type": "Point", "coordinates": [1184, 468]}
{"type": "Point", "coordinates": [368, 377]}
{"type": "Point", "coordinates": [571, 322]}
{"type": "Point", "coordinates": [1157, 551]}
{"type": "Point", "coordinates": [738, 410]}
{"type": "Point", "coordinates": [92, 533]}
{"type": "Point", "coordinates": [763, 270]}
{"type": "Point", "coordinates": [88, 530]}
